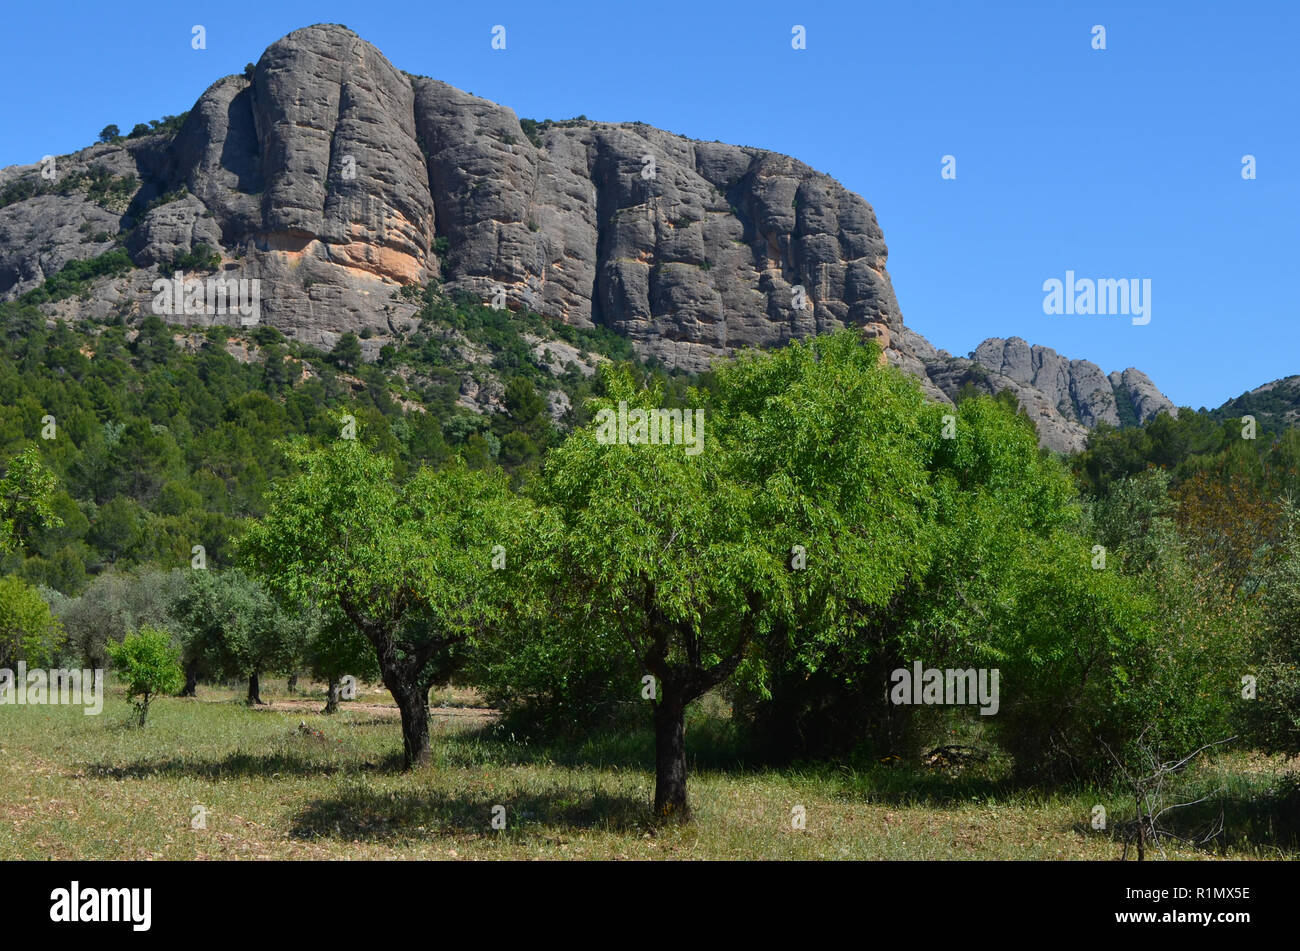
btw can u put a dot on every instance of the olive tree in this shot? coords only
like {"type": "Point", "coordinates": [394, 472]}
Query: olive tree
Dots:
{"type": "Point", "coordinates": [233, 626]}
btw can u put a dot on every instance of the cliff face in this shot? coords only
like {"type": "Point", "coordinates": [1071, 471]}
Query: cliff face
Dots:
{"type": "Point", "coordinates": [334, 178]}
{"type": "Point", "coordinates": [331, 169]}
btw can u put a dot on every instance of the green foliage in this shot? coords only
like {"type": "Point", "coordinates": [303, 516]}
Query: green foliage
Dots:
{"type": "Point", "coordinates": [231, 626]}
{"type": "Point", "coordinates": [159, 448]}
{"type": "Point", "coordinates": [1074, 662]}
{"type": "Point", "coordinates": [1273, 718]}
{"type": "Point", "coordinates": [643, 560]}
{"type": "Point", "coordinates": [336, 648]}
{"type": "Point", "coordinates": [907, 537]}
{"type": "Point", "coordinates": [28, 631]}
{"type": "Point", "coordinates": [1183, 446]}
{"type": "Point", "coordinates": [150, 664]}
{"type": "Point", "coordinates": [409, 565]}
{"type": "Point", "coordinates": [98, 183]}
{"type": "Point", "coordinates": [116, 603]}
{"type": "Point", "coordinates": [1276, 407]}
{"type": "Point", "coordinates": [169, 124]}
{"type": "Point", "coordinates": [341, 533]}
{"type": "Point", "coordinates": [347, 352]}
{"type": "Point", "coordinates": [1134, 521]}
{"type": "Point", "coordinates": [531, 129]}
{"type": "Point", "coordinates": [75, 277]}
{"type": "Point", "coordinates": [26, 500]}
{"type": "Point", "coordinates": [199, 258]}
{"type": "Point", "coordinates": [110, 133]}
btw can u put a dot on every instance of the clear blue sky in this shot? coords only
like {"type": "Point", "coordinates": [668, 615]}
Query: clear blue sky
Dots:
{"type": "Point", "coordinates": [1117, 163]}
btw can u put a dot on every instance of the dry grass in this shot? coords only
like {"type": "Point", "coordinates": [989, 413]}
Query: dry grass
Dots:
{"type": "Point", "coordinates": [73, 786]}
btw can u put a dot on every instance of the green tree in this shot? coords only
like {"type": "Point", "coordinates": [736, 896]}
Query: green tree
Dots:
{"type": "Point", "coordinates": [150, 664]}
{"type": "Point", "coordinates": [659, 551]}
{"type": "Point", "coordinates": [1273, 717]}
{"type": "Point", "coordinates": [410, 566]}
{"type": "Point", "coordinates": [337, 649]}
{"type": "Point", "coordinates": [347, 352]}
{"type": "Point", "coordinates": [233, 626]}
{"type": "Point", "coordinates": [115, 603]}
{"type": "Point", "coordinates": [27, 500]}
{"type": "Point", "coordinates": [28, 631]}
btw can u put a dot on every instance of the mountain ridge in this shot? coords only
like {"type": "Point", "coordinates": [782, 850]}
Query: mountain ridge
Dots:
{"type": "Point", "coordinates": [336, 179]}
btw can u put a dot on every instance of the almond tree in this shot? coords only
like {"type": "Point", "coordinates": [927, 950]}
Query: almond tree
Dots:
{"type": "Point", "coordinates": [410, 566]}
{"type": "Point", "coordinates": [655, 549]}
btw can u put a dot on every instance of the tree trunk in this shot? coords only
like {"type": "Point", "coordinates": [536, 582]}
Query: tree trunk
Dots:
{"type": "Point", "coordinates": [254, 690]}
{"type": "Point", "coordinates": [1141, 820]}
{"type": "Point", "coordinates": [293, 683]}
{"type": "Point", "coordinates": [191, 680]}
{"type": "Point", "coordinates": [670, 760]}
{"type": "Point", "coordinates": [332, 698]}
{"type": "Point", "coordinates": [414, 704]}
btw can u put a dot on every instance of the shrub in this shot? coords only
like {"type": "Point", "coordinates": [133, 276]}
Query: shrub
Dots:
{"type": "Point", "coordinates": [200, 258]}
{"type": "Point", "coordinates": [150, 665]}
{"type": "Point", "coordinates": [28, 631]}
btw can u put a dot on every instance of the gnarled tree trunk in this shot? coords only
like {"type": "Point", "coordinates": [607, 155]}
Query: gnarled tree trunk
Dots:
{"type": "Point", "coordinates": [414, 705]}
{"type": "Point", "coordinates": [332, 698]}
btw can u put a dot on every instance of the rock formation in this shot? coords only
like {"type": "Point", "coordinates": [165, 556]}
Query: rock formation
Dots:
{"type": "Point", "coordinates": [335, 179]}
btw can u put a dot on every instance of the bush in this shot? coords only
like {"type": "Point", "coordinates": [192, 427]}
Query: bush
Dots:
{"type": "Point", "coordinates": [150, 665]}
{"type": "Point", "coordinates": [199, 258]}
{"type": "Point", "coordinates": [1273, 718]}
{"type": "Point", "coordinates": [28, 631]}
{"type": "Point", "coordinates": [76, 276]}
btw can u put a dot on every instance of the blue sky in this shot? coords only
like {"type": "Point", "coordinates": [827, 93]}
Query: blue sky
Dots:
{"type": "Point", "coordinates": [1122, 163]}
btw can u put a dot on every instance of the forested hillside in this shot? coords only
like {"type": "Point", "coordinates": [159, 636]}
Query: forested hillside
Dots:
{"type": "Point", "coordinates": [164, 438]}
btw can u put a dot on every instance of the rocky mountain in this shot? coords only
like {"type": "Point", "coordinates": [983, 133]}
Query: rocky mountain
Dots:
{"type": "Point", "coordinates": [335, 180]}
{"type": "Point", "coordinates": [1065, 398]}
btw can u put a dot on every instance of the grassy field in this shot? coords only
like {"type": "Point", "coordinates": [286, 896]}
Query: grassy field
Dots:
{"type": "Point", "coordinates": [73, 786]}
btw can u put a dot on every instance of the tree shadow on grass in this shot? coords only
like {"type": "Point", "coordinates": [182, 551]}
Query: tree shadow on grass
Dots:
{"type": "Point", "coordinates": [377, 815]}
{"type": "Point", "coordinates": [709, 746]}
{"type": "Point", "coordinates": [240, 764]}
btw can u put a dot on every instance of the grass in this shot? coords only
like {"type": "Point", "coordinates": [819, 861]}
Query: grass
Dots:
{"type": "Point", "coordinates": [73, 786]}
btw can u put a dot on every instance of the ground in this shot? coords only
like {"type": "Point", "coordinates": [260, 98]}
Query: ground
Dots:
{"type": "Point", "coordinates": [286, 782]}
